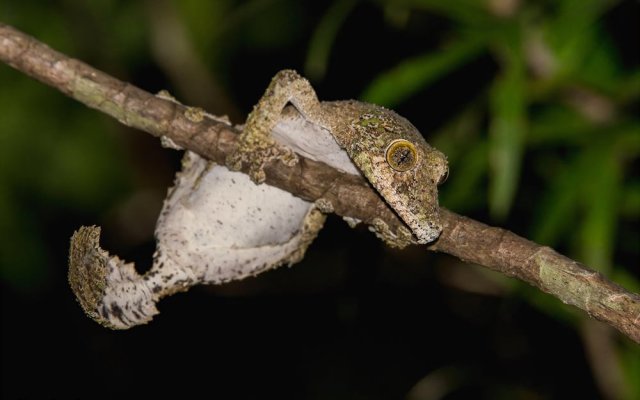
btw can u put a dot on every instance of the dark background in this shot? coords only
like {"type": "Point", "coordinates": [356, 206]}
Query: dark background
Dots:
{"type": "Point", "coordinates": [542, 142]}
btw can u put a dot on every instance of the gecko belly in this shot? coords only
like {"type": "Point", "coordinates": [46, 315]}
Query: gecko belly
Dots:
{"type": "Point", "coordinates": [311, 141]}
{"type": "Point", "coordinates": [224, 227]}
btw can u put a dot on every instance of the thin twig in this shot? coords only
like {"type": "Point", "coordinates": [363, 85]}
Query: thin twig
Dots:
{"type": "Point", "coordinates": [462, 237]}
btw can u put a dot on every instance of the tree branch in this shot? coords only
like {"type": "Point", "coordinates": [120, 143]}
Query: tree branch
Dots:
{"type": "Point", "coordinates": [351, 196]}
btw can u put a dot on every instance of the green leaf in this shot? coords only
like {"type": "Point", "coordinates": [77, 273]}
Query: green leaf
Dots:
{"type": "Point", "coordinates": [629, 89]}
{"type": "Point", "coordinates": [630, 205]}
{"type": "Point", "coordinates": [601, 192]}
{"type": "Point", "coordinates": [507, 130]}
{"type": "Point", "coordinates": [600, 68]}
{"type": "Point", "coordinates": [396, 85]}
{"type": "Point", "coordinates": [557, 208]}
{"type": "Point", "coordinates": [625, 279]}
{"type": "Point", "coordinates": [558, 125]}
{"type": "Point", "coordinates": [630, 358]}
{"type": "Point", "coordinates": [472, 12]}
{"type": "Point", "coordinates": [627, 137]}
{"type": "Point", "coordinates": [573, 32]}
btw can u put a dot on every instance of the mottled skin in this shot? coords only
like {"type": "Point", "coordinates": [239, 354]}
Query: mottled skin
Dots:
{"type": "Point", "coordinates": [365, 131]}
{"type": "Point", "coordinates": [217, 226]}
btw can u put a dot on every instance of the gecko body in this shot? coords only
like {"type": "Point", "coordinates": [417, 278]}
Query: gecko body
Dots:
{"type": "Point", "coordinates": [216, 225]}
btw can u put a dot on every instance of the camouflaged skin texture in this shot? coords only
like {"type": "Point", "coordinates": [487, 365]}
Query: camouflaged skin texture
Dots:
{"type": "Point", "coordinates": [364, 131]}
{"type": "Point", "coordinates": [217, 225]}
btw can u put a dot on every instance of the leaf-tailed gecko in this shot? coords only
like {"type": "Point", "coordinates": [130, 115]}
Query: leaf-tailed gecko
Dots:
{"type": "Point", "coordinates": [217, 225]}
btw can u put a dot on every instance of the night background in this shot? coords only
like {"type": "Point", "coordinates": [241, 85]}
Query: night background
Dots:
{"type": "Point", "coordinates": [535, 103]}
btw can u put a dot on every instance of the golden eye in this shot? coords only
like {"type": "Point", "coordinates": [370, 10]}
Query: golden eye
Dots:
{"type": "Point", "coordinates": [401, 155]}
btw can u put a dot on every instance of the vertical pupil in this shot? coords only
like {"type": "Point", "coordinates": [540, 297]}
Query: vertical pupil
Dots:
{"type": "Point", "coordinates": [403, 155]}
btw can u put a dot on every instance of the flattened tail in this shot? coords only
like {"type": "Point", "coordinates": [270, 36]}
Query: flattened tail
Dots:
{"type": "Point", "coordinates": [109, 290]}
{"type": "Point", "coordinates": [112, 293]}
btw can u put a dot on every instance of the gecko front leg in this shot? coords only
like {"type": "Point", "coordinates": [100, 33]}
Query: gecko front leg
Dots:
{"type": "Point", "coordinates": [256, 145]}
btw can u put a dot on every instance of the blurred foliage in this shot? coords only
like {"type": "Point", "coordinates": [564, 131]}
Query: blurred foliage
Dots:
{"type": "Point", "coordinates": [561, 89]}
{"type": "Point", "coordinates": [546, 143]}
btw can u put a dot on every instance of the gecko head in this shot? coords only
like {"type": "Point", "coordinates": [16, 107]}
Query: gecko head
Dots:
{"type": "Point", "coordinates": [403, 168]}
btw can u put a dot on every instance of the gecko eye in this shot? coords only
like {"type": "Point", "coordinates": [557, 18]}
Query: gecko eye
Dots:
{"type": "Point", "coordinates": [444, 177]}
{"type": "Point", "coordinates": [401, 155]}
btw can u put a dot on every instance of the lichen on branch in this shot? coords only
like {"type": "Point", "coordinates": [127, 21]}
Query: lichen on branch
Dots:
{"type": "Point", "coordinates": [350, 196]}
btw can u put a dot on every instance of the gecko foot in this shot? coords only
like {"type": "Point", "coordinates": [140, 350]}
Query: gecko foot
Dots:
{"type": "Point", "coordinates": [256, 153]}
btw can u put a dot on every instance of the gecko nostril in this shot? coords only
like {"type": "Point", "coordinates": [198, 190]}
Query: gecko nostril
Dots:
{"type": "Point", "coordinates": [401, 155]}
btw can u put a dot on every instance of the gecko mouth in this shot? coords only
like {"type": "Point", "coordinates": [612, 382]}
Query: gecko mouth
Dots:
{"type": "Point", "coordinates": [426, 231]}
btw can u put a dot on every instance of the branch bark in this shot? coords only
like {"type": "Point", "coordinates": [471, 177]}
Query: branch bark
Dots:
{"type": "Point", "coordinates": [469, 240]}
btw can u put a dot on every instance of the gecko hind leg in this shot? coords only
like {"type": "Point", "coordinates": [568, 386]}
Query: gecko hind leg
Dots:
{"type": "Point", "coordinates": [256, 145]}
